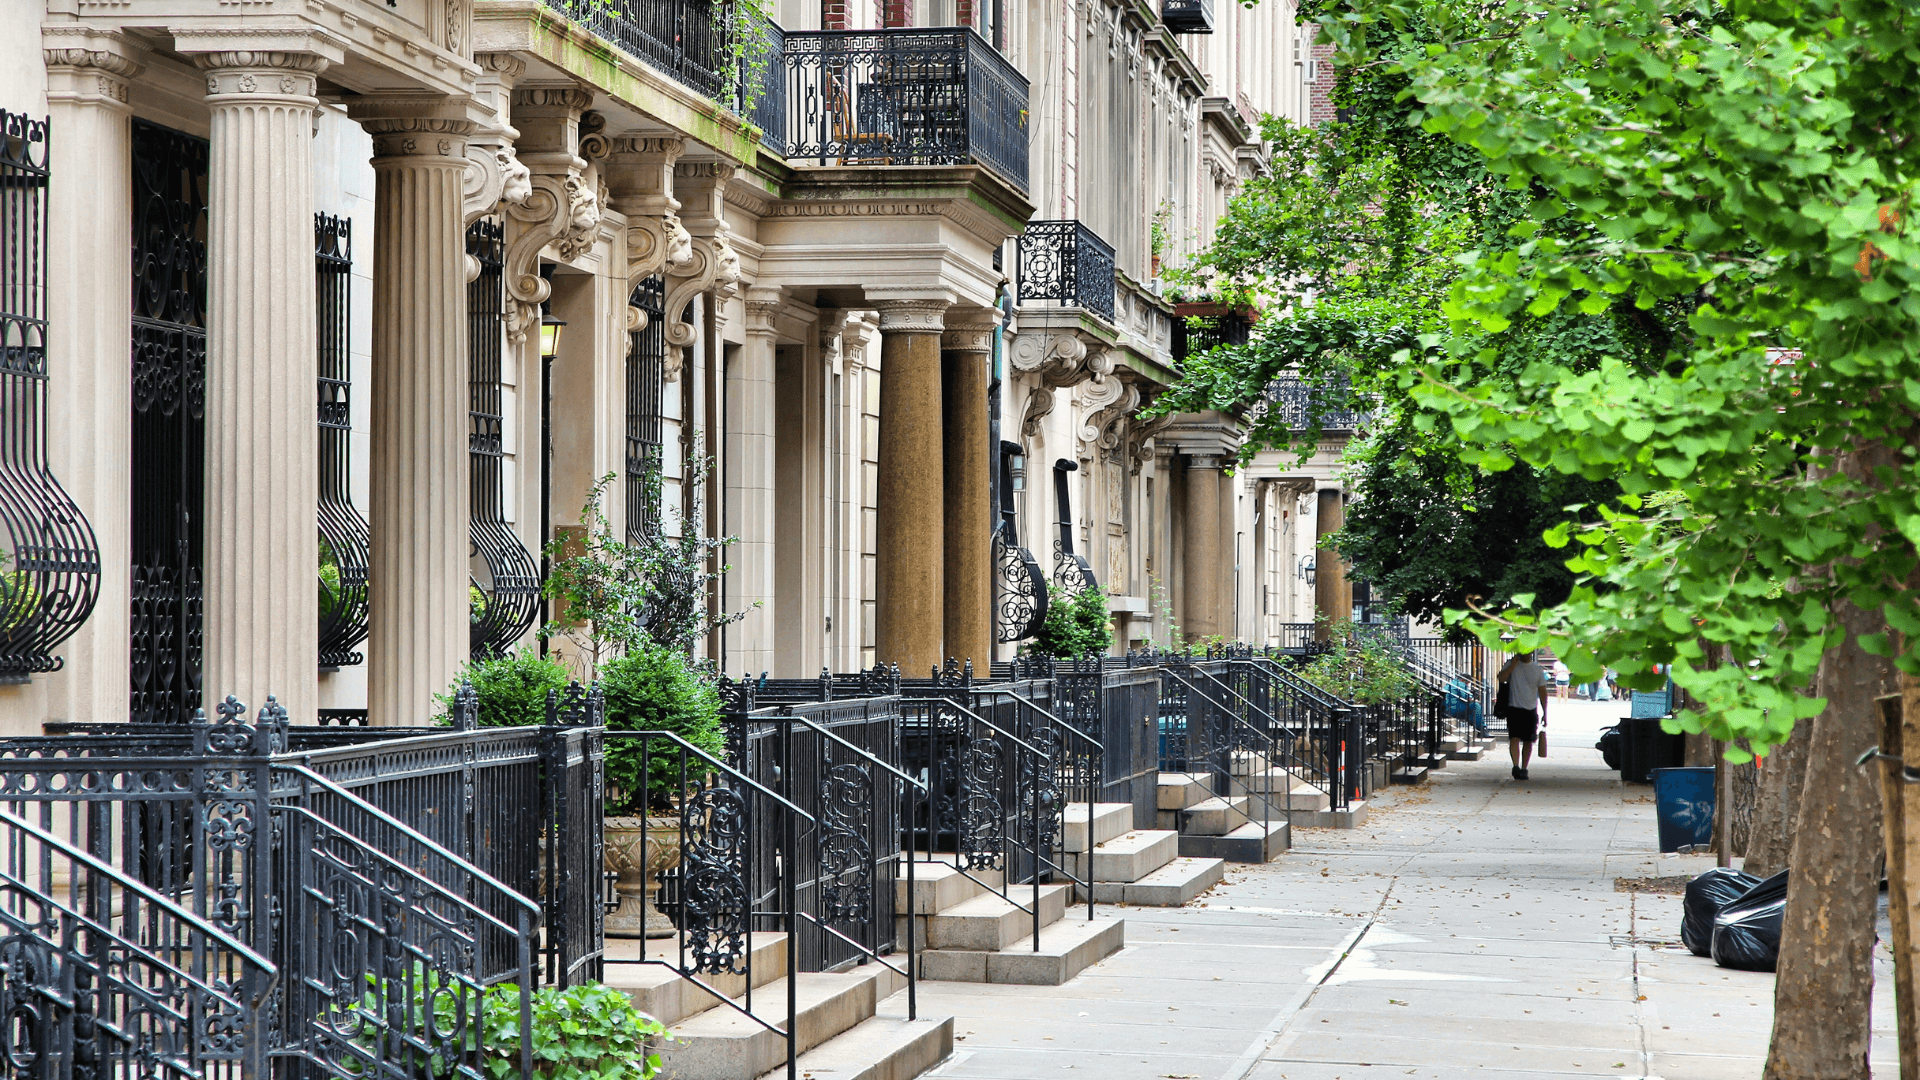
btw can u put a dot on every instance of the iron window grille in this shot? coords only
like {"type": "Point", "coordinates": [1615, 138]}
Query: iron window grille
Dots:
{"type": "Point", "coordinates": [1066, 262]}
{"type": "Point", "coordinates": [908, 96]}
{"type": "Point", "coordinates": [646, 363]}
{"type": "Point", "coordinates": [345, 543]}
{"type": "Point", "coordinates": [1187, 16]}
{"type": "Point", "coordinates": [505, 583]}
{"type": "Point", "coordinates": [168, 427]}
{"type": "Point", "coordinates": [691, 41]}
{"type": "Point", "coordinates": [49, 558]}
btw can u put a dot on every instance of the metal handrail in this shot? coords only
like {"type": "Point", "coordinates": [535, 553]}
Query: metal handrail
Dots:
{"type": "Point", "coordinates": [1266, 799]}
{"type": "Point", "coordinates": [1098, 748]}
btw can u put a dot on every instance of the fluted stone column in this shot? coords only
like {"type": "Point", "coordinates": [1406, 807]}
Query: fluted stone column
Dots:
{"type": "Point", "coordinates": [909, 586]}
{"type": "Point", "coordinates": [89, 388]}
{"type": "Point", "coordinates": [417, 638]}
{"type": "Point", "coordinates": [1332, 591]}
{"type": "Point", "coordinates": [750, 478]}
{"type": "Point", "coordinates": [262, 472]}
{"type": "Point", "coordinates": [1208, 578]}
{"type": "Point", "coordinates": [968, 593]}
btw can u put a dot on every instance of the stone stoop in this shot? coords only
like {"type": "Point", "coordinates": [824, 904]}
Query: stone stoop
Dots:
{"type": "Point", "coordinates": [1414, 774]}
{"type": "Point", "coordinates": [1354, 816]}
{"type": "Point", "coordinates": [840, 1022]}
{"type": "Point", "coordinates": [1144, 868]}
{"type": "Point", "coordinates": [1109, 820]}
{"type": "Point", "coordinates": [980, 937]}
{"type": "Point", "coordinates": [1468, 752]}
{"type": "Point", "coordinates": [1217, 816]}
{"type": "Point", "coordinates": [1253, 842]}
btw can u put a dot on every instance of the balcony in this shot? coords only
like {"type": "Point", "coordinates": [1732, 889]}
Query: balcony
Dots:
{"type": "Point", "coordinates": [688, 40]}
{"type": "Point", "coordinates": [916, 96]}
{"type": "Point", "coordinates": [1187, 16]}
{"type": "Point", "coordinates": [1329, 405]}
{"type": "Point", "coordinates": [1063, 261]}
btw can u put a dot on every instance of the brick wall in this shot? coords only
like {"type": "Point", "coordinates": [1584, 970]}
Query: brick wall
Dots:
{"type": "Point", "coordinates": [833, 15]}
{"type": "Point", "coordinates": [895, 12]}
{"type": "Point", "coordinates": [1320, 91]}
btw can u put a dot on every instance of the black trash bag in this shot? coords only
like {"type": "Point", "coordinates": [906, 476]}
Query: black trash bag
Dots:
{"type": "Point", "coordinates": [1746, 933]}
{"type": "Point", "coordinates": [1609, 747]}
{"type": "Point", "coordinates": [1706, 895]}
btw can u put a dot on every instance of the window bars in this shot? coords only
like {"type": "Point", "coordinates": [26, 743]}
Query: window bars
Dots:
{"type": "Point", "coordinates": [168, 428]}
{"type": "Point", "coordinates": [505, 594]}
{"type": "Point", "coordinates": [1064, 261]}
{"type": "Point", "coordinates": [344, 540]}
{"type": "Point", "coordinates": [646, 363]}
{"type": "Point", "coordinates": [49, 559]}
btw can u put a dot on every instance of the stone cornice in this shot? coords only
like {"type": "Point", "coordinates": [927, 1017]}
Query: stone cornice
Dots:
{"type": "Point", "coordinates": [291, 46]}
{"type": "Point", "coordinates": [972, 197]}
{"type": "Point", "coordinates": [385, 39]}
{"type": "Point", "coordinates": [74, 45]}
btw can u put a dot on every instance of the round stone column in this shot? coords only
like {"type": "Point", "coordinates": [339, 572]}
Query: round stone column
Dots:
{"type": "Point", "coordinates": [909, 583]}
{"type": "Point", "coordinates": [968, 594]}
{"type": "Point", "coordinates": [1332, 591]}
{"type": "Point", "coordinates": [1208, 603]}
{"type": "Point", "coordinates": [418, 628]}
{"type": "Point", "coordinates": [262, 472]}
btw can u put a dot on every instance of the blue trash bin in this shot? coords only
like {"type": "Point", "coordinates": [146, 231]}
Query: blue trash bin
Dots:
{"type": "Point", "coordinates": [1683, 803]}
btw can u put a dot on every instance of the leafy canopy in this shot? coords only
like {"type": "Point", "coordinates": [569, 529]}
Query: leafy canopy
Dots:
{"type": "Point", "coordinates": [1752, 164]}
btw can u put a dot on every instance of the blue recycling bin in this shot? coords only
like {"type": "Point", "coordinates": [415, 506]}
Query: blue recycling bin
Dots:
{"type": "Point", "coordinates": [1683, 803]}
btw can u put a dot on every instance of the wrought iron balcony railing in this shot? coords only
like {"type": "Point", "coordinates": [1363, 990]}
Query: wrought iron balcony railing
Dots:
{"type": "Point", "coordinates": [763, 86]}
{"type": "Point", "coordinates": [689, 40]}
{"type": "Point", "coordinates": [912, 96]}
{"type": "Point", "coordinates": [1065, 262]}
{"type": "Point", "coordinates": [1187, 16]}
{"type": "Point", "coordinates": [1330, 405]}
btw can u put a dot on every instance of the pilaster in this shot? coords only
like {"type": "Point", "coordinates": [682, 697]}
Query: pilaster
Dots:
{"type": "Point", "coordinates": [418, 635]}
{"type": "Point", "coordinates": [966, 344]}
{"type": "Point", "coordinates": [89, 388]}
{"type": "Point", "coordinates": [262, 478]}
{"type": "Point", "coordinates": [910, 551]}
{"type": "Point", "coordinates": [750, 482]}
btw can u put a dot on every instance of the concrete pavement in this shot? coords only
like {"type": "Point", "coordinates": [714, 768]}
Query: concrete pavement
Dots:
{"type": "Point", "coordinates": [1470, 928]}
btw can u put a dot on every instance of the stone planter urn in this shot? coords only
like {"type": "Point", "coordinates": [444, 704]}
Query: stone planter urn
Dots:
{"type": "Point", "coordinates": [637, 851]}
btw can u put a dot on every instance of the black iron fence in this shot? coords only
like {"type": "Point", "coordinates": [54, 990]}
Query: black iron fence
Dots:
{"type": "Point", "coordinates": [909, 96]}
{"type": "Point", "coordinates": [1066, 262]}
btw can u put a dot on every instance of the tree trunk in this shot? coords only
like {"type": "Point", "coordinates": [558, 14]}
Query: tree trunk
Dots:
{"type": "Point", "coordinates": [1771, 841]}
{"type": "Point", "coordinates": [1824, 987]}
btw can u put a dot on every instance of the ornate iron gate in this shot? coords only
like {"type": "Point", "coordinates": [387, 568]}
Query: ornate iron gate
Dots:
{"type": "Point", "coordinates": [344, 539]}
{"type": "Point", "coordinates": [169, 421]}
{"type": "Point", "coordinates": [646, 360]}
{"type": "Point", "coordinates": [506, 581]}
{"type": "Point", "coordinates": [49, 560]}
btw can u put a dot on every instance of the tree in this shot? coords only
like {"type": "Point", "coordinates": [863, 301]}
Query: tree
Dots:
{"type": "Point", "coordinates": [1753, 162]}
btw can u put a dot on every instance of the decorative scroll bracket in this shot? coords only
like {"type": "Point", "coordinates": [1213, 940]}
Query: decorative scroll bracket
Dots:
{"type": "Point", "coordinates": [1059, 360]}
{"type": "Point", "coordinates": [714, 265]}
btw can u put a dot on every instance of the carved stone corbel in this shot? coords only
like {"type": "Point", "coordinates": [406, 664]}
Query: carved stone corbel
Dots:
{"type": "Point", "coordinates": [1112, 401]}
{"type": "Point", "coordinates": [714, 264]}
{"type": "Point", "coordinates": [562, 207]}
{"type": "Point", "coordinates": [639, 177]}
{"type": "Point", "coordinates": [1059, 360]}
{"type": "Point", "coordinates": [494, 172]}
{"type": "Point", "coordinates": [1139, 434]}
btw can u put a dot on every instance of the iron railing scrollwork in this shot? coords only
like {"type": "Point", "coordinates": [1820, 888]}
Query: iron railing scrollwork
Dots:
{"type": "Point", "coordinates": [167, 467]}
{"type": "Point", "coordinates": [765, 102]}
{"type": "Point", "coordinates": [904, 96]}
{"type": "Point", "coordinates": [1066, 262]}
{"type": "Point", "coordinates": [345, 544]}
{"type": "Point", "coordinates": [49, 557]}
{"type": "Point", "coordinates": [1020, 587]}
{"type": "Point", "coordinates": [1328, 404]}
{"type": "Point", "coordinates": [646, 366]}
{"type": "Point", "coordinates": [1187, 16]}
{"type": "Point", "coordinates": [506, 580]}
{"type": "Point", "coordinates": [1072, 573]}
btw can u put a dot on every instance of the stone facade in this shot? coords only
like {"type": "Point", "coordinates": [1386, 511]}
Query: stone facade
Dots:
{"type": "Point", "coordinates": [847, 335]}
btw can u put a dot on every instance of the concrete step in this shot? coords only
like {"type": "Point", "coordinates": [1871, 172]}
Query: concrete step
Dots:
{"type": "Point", "coordinates": [1248, 763]}
{"type": "Point", "coordinates": [941, 885]}
{"type": "Point", "coordinates": [1354, 816]}
{"type": "Point", "coordinates": [1474, 753]}
{"type": "Point", "coordinates": [1129, 856]}
{"type": "Point", "coordinates": [1109, 820]}
{"type": "Point", "coordinates": [990, 923]}
{"type": "Point", "coordinates": [1177, 791]}
{"type": "Point", "coordinates": [1253, 842]}
{"type": "Point", "coordinates": [1217, 816]}
{"type": "Point", "coordinates": [883, 1048]}
{"type": "Point", "coordinates": [661, 993]}
{"type": "Point", "coordinates": [1173, 885]}
{"type": "Point", "coordinates": [1431, 761]}
{"type": "Point", "coordinates": [1414, 775]}
{"type": "Point", "coordinates": [1266, 782]}
{"type": "Point", "coordinates": [1308, 797]}
{"type": "Point", "coordinates": [722, 1044]}
{"type": "Point", "coordinates": [1067, 948]}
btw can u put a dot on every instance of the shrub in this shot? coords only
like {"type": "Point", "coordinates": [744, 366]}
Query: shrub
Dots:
{"type": "Point", "coordinates": [512, 689]}
{"type": "Point", "coordinates": [1077, 623]}
{"type": "Point", "coordinates": [1362, 667]}
{"type": "Point", "coordinates": [656, 688]}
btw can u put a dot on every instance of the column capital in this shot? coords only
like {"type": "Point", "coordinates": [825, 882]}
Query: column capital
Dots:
{"type": "Point", "coordinates": [505, 65]}
{"type": "Point", "coordinates": [912, 316]}
{"type": "Point", "coordinates": [969, 329]}
{"type": "Point", "coordinates": [89, 65]}
{"type": "Point", "coordinates": [420, 130]}
{"type": "Point", "coordinates": [763, 305]}
{"type": "Point", "coordinates": [259, 63]}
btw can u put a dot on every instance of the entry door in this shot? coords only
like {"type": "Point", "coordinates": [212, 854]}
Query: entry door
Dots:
{"type": "Point", "coordinates": [167, 468]}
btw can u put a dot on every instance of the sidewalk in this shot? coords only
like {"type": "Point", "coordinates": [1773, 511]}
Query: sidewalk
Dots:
{"type": "Point", "coordinates": [1472, 927]}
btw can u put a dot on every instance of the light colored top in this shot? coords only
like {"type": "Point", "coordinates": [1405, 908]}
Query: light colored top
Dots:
{"type": "Point", "coordinates": [1524, 684]}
